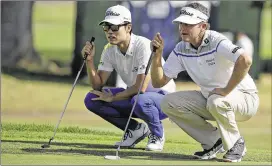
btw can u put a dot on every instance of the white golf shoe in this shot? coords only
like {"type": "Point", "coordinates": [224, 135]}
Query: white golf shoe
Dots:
{"type": "Point", "coordinates": [155, 143]}
{"type": "Point", "coordinates": [132, 137]}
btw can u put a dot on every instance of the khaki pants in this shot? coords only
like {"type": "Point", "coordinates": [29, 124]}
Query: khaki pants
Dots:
{"type": "Point", "coordinates": [190, 111]}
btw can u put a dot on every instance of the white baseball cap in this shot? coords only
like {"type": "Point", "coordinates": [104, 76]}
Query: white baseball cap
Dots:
{"type": "Point", "coordinates": [190, 15]}
{"type": "Point", "coordinates": [117, 15]}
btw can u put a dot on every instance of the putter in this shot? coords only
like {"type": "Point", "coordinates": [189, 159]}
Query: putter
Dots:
{"type": "Point", "coordinates": [116, 157]}
{"type": "Point", "coordinates": [65, 106]}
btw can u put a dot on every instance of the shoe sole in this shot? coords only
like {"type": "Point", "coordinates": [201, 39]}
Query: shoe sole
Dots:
{"type": "Point", "coordinates": [209, 157]}
{"type": "Point", "coordinates": [156, 150]}
{"type": "Point", "coordinates": [136, 141]}
{"type": "Point", "coordinates": [237, 160]}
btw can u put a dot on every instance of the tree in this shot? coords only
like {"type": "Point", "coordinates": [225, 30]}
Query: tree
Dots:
{"type": "Point", "coordinates": [77, 58]}
{"type": "Point", "coordinates": [89, 14]}
{"type": "Point", "coordinates": [16, 33]}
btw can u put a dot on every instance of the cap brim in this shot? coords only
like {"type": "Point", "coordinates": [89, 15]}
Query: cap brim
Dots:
{"type": "Point", "coordinates": [187, 20]}
{"type": "Point", "coordinates": [111, 21]}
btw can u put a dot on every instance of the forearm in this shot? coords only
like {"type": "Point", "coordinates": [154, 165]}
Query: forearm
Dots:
{"type": "Point", "coordinates": [126, 94]}
{"type": "Point", "coordinates": [133, 90]}
{"type": "Point", "coordinates": [240, 70]}
{"type": "Point", "coordinates": [94, 78]}
{"type": "Point", "coordinates": [157, 75]}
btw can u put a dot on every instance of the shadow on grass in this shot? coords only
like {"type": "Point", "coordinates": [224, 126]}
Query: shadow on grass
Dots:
{"type": "Point", "coordinates": [125, 154]}
{"type": "Point", "coordinates": [100, 150]}
{"type": "Point", "coordinates": [70, 145]}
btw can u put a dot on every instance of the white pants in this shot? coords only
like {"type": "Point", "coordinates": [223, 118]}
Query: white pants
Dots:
{"type": "Point", "coordinates": [190, 111]}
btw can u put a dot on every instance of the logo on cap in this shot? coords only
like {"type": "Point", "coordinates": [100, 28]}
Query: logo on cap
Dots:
{"type": "Point", "coordinates": [111, 13]}
{"type": "Point", "coordinates": [184, 12]}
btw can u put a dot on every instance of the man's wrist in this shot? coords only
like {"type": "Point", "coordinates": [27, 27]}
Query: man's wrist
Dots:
{"type": "Point", "coordinates": [157, 56]}
{"type": "Point", "coordinates": [89, 62]}
{"type": "Point", "coordinates": [158, 53]}
{"type": "Point", "coordinates": [113, 97]}
{"type": "Point", "coordinates": [227, 90]}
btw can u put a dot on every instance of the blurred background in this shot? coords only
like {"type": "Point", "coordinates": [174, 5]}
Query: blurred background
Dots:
{"type": "Point", "coordinates": [41, 43]}
{"type": "Point", "coordinates": [44, 38]}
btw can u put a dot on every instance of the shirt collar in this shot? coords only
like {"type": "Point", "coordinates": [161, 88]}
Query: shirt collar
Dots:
{"type": "Point", "coordinates": [205, 41]}
{"type": "Point", "coordinates": [131, 45]}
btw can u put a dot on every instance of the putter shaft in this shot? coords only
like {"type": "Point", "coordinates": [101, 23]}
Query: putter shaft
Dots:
{"type": "Point", "coordinates": [134, 104]}
{"type": "Point", "coordinates": [66, 104]}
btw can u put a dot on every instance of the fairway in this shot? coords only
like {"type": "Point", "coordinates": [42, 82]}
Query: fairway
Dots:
{"type": "Point", "coordinates": [30, 111]}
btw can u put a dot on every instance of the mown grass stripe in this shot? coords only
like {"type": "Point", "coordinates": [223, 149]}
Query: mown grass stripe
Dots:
{"type": "Point", "coordinates": [10, 130]}
{"type": "Point", "coordinates": [44, 128]}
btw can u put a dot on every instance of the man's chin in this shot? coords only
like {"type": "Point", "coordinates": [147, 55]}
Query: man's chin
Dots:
{"type": "Point", "coordinates": [186, 39]}
{"type": "Point", "coordinates": [113, 42]}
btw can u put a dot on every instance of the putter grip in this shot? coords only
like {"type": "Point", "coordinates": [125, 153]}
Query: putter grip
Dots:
{"type": "Point", "coordinates": [149, 61]}
{"type": "Point", "coordinates": [92, 40]}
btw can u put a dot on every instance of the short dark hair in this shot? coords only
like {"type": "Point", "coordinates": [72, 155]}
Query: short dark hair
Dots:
{"type": "Point", "coordinates": [199, 7]}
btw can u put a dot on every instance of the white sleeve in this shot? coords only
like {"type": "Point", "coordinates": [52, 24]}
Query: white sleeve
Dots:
{"type": "Point", "coordinates": [173, 65]}
{"type": "Point", "coordinates": [229, 50]}
{"type": "Point", "coordinates": [143, 56]}
{"type": "Point", "coordinates": [105, 62]}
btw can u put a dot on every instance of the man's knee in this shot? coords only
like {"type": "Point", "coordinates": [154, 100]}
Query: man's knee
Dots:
{"type": "Point", "coordinates": [146, 107]}
{"type": "Point", "coordinates": [89, 103]}
{"type": "Point", "coordinates": [216, 101]}
{"type": "Point", "coordinates": [167, 105]}
{"type": "Point", "coordinates": [175, 108]}
{"type": "Point", "coordinates": [143, 101]}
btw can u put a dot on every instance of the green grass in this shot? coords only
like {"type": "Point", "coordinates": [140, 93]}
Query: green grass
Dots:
{"type": "Point", "coordinates": [89, 147]}
{"type": "Point", "coordinates": [54, 28]}
{"type": "Point", "coordinates": [31, 109]}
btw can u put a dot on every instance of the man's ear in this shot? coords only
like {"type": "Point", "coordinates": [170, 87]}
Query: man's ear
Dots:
{"type": "Point", "coordinates": [129, 27]}
{"type": "Point", "coordinates": [204, 26]}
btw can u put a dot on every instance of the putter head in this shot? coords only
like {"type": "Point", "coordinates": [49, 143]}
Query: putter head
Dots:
{"type": "Point", "coordinates": [111, 157]}
{"type": "Point", "coordinates": [45, 146]}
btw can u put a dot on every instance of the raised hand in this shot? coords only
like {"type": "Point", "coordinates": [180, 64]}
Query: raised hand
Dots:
{"type": "Point", "coordinates": [158, 43]}
{"type": "Point", "coordinates": [88, 49]}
